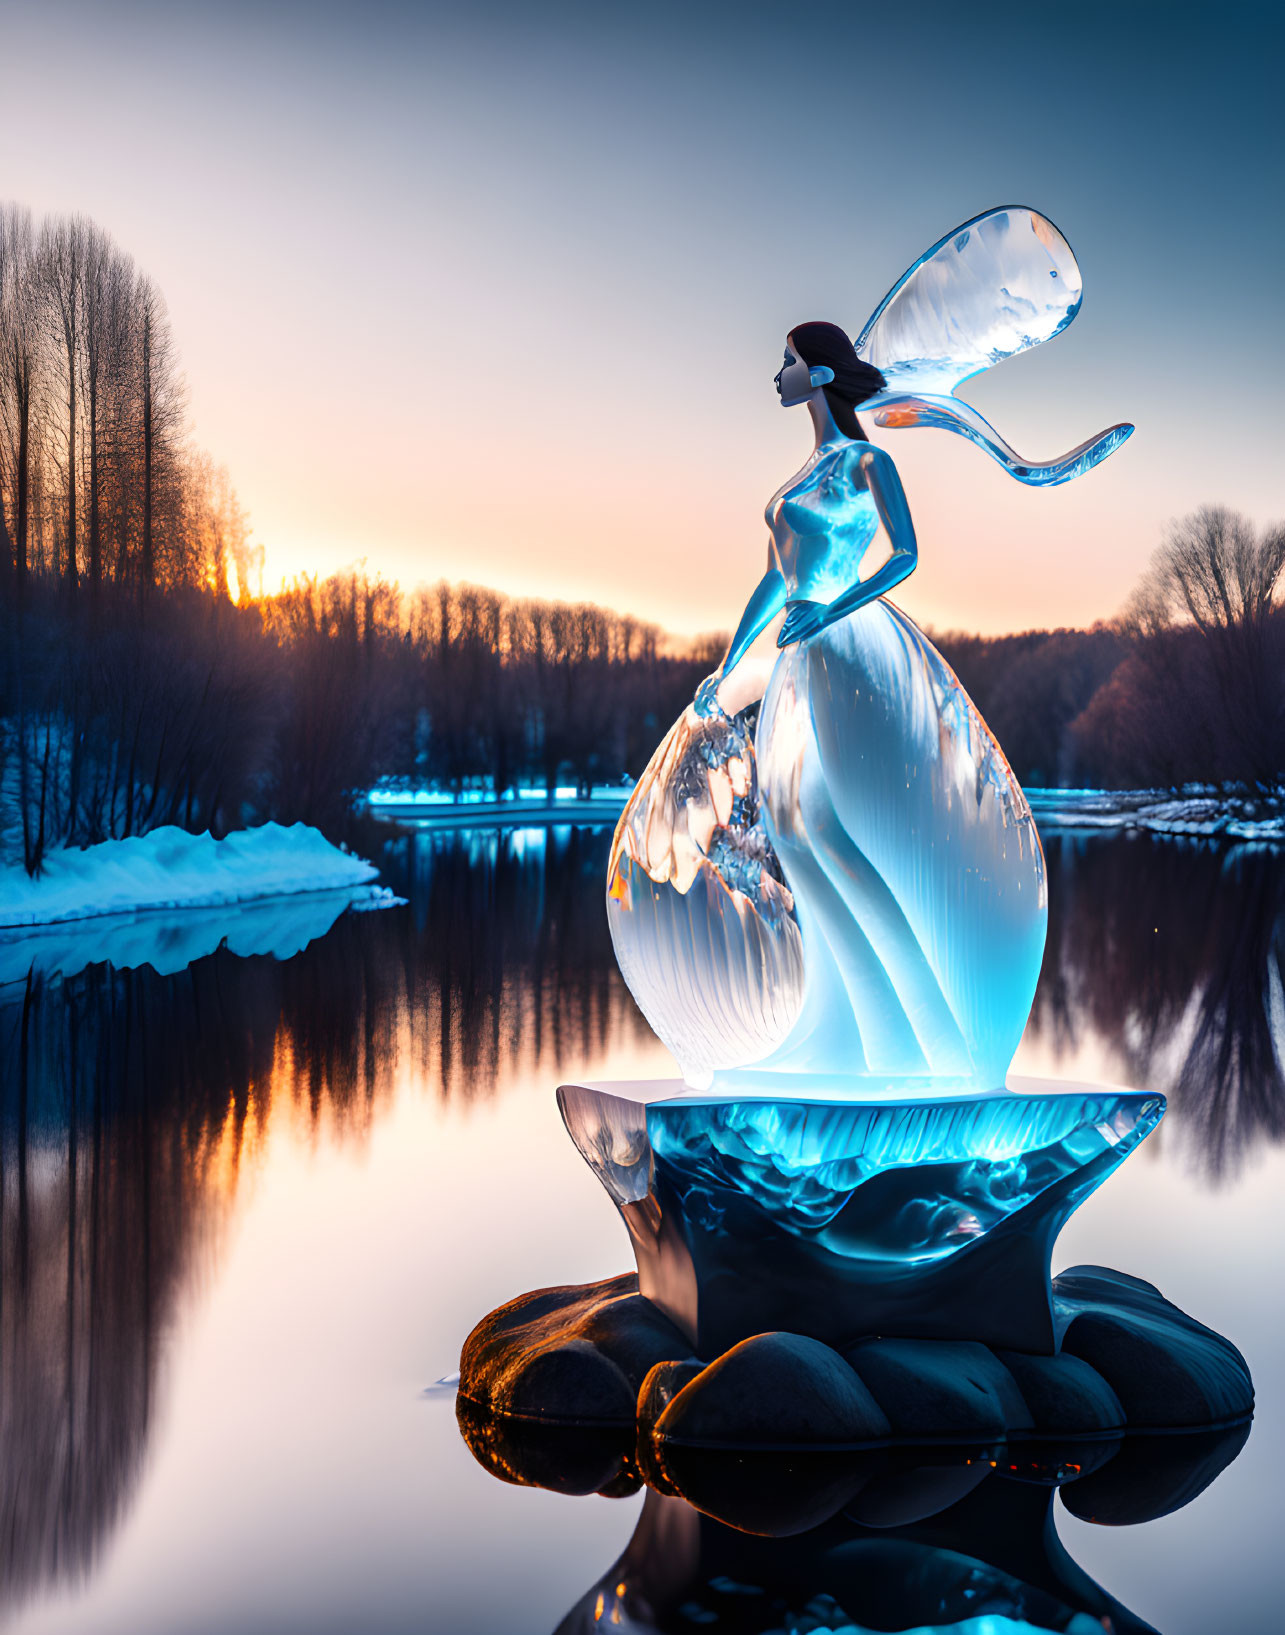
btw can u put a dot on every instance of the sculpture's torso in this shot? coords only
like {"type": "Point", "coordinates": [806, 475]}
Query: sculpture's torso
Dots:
{"type": "Point", "coordinates": [822, 522]}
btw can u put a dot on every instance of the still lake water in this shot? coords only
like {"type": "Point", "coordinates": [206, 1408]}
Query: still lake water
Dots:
{"type": "Point", "coordinates": [251, 1208]}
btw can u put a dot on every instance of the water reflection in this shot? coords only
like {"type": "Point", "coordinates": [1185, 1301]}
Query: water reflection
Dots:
{"type": "Point", "coordinates": [509, 963]}
{"type": "Point", "coordinates": [985, 1560]}
{"type": "Point", "coordinates": [133, 1105]}
{"type": "Point", "coordinates": [901, 1538]}
{"type": "Point", "coordinates": [1172, 954]}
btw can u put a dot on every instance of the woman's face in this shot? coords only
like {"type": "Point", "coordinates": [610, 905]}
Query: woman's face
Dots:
{"type": "Point", "coordinates": [793, 379]}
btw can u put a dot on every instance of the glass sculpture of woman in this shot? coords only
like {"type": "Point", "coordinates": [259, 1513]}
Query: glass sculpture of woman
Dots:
{"type": "Point", "coordinates": [830, 871]}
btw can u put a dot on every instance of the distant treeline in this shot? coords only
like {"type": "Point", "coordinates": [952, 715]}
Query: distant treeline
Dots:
{"type": "Point", "coordinates": [119, 715]}
{"type": "Point", "coordinates": [143, 682]}
{"type": "Point", "coordinates": [1187, 686]}
{"type": "Point", "coordinates": [192, 710]}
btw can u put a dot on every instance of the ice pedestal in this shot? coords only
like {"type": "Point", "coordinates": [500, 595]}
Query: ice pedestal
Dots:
{"type": "Point", "coordinates": [930, 1217]}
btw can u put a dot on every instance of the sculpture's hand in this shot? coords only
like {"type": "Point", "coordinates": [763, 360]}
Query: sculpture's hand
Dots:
{"type": "Point", "coordinates": [706, 701]}
{"type": "Point", "coordinates": [803, 620]}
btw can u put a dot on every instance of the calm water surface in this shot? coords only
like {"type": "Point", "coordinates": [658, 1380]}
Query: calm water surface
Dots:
{"type": "Point", "coordinates": [251, 1208]}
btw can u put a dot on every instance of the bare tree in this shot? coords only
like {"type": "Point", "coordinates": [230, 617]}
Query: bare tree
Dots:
{"type": "Point", "coordinates": [18, 353]}
{"type": "Point", "coordinates": [1217, 578]}
{"type": "Point", "coordinates": [63, 255]}
{"type": "Point", "coordinates": [161, 422]}
{"type": "Point", "coordinates": [218, 529]}
{"type": "Point", "coordinates": [105, 274]}
{"type": "Point", "coordinates": [1217, 571]}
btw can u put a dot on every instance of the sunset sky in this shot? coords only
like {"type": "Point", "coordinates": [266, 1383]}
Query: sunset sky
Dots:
{"type": "Point", "coordinates": [497, 292]}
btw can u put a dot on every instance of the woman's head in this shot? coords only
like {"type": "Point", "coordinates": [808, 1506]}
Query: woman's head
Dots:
{"type": "Point", "coordinates": [824, 350]}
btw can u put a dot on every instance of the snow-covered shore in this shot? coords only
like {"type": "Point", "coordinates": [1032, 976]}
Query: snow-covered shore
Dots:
{"type": "Point", "coordinates": [1189, 813]}
{"type": "Point", "coordinates": [171, 869]}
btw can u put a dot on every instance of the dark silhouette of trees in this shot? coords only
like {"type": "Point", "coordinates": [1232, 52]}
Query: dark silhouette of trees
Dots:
{"type": "Point", "coordinates": [334, 648]}
{"type": "Point", "coordinates": [534, 692]}
{"type": "Point", "coordinates": [61, 256]}
{"type": "Point", "coordinates": [1031, 689]}
{"type": "Point", "coordinates": [19, 354]}
{"type": "Point", "coordinates": [1188, 686]}
{"type": "Point", "coordinates": [1201, 693]}
{"type": "Point", "coordinates": [1173, 953]}
{"type": "Point", "coordinates": [168, 694]}
{"type": "Point", "coordinates": [121, 716]}
{"type": "Point", "coordinates": [98, 479]}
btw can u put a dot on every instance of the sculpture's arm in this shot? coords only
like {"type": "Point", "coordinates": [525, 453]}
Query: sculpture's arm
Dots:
{"type": "Point", "coordinates": [880, 474]}
{"type": "Point", "coordinates": [763, 606]}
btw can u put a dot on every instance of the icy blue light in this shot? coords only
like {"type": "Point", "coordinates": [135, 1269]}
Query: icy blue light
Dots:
{"type": "Point", "coordinates": [841, 1219]}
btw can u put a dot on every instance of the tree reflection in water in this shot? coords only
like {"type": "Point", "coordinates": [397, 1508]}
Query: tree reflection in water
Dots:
{"type": "Point", "coordinates": [131, 1104]}
{"type": "Point", "coordinates": [1172, 953]}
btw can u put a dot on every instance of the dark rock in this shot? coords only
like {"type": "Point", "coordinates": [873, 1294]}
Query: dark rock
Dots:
{"type": "Point", "coordinates": [773, 1494]}
{"type": "Point", "coordinates": [575, 1354]}
{"type": "Point", "coordinates": [634, 1334]}
{"type": "Point", "coordinates": [627, 1481]}
{"type": "Point", "coordinates": [1064, 1394]}
{"type": "Point", "coordinates": [1152, 1476]}
{"type": "Point", "coordinates": [949, 1390]}
{"type": "Point", "coordinates": [775, 1391]}
{"type": "Point", "coordinates": [905, 1496]}
{"type": "Point", "coordinates": [1167, 1370]}
{"type": "Point", "coordinates": [601, 1354]}
{"type": "Point", "coordinates": [1053, 1463]}
{"type": "Point", "coordinates": [1154, 1385]}
{"type": "Point", "coordinates": [563, 1458]}
{"type": "Point", "coordinates": [572, 1381]}
{"type": "Point", "coordinates": [661, 1386]}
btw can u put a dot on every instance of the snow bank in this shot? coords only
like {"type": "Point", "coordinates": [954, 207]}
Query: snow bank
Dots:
{"type": "Point", "coordinates": [171, 869]}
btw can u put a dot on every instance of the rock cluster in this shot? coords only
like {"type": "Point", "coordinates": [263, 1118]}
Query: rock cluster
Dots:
{"type": "Point", "coordinates": [600, 1355]}
{"type": "Point", "coordinates": [591, 1389]}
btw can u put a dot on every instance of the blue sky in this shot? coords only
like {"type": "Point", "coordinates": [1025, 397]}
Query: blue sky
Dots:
{"type": "Point", "coordinates": [498, 292]}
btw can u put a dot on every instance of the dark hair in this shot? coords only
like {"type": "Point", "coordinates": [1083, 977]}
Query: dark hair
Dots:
{"type": "Point", "coordinates": [822, 345]}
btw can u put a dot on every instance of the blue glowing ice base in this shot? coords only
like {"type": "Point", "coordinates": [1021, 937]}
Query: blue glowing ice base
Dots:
{"type": "Point", "coordinates": [930, 1218]}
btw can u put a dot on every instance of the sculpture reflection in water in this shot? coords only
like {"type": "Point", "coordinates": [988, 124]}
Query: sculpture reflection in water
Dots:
{"type": "Point", "coordinates": [987, 1563]}
{"type": "Point", "coordinates": [926, 1539]}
